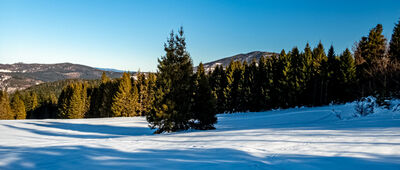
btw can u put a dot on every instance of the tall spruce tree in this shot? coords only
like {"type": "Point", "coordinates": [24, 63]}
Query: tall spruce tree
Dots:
{"type": "Point", "coordinates": [204, 101]}
{"type": "Point", "coordinates": [172, 104]}
{"type": "Point", "coordinates": [18, 106]}
{"type": "Point", "coordinates": [394, 45]}
{"type": "Point", "coordinates": [332, 75]}
{"type": "Point", "coordinates": [282, 81]}
{"type": "Point", "coordinates": [5, 109]}
{"type": "Point", "coordinates": [347, 77]}
{"type": "Point", "coordinates": [218, 82]}
{"type": "Point", "coordinates": [371, 62]}
{"type": "Point", "coordinates": [72, 104]}
{"type": "Point", "coordinates": [123, 104]}
{"type": "Point", "coordinates": [318, 69]}
{"type": "Point", "coordinates": [234, 89]}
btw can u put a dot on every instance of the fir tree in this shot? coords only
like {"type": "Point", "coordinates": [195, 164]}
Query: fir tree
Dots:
{"type": "Point", "coordinates": [319, 72]}
{"type": "Point", "coordinates": [72, 102]}
{"type": "Point", "coordinates": [371, 62]}
{"type": "Point", "coordinates": [218, 82]}
{"type": "Point", "coordinates": [204, 103]}
{"type": "Point", "coordinates": [347, 76]}
{"type": "Point", "coordinates": [18, 107]}
{"type": "Point", "coordinates": [394, 45]}
{"type": "Point", "coordinates": [5, 109]}
{"type": "Point", "coordinates": [171, 111]}
{"type": "Point", "coordinates": [332, 75]}
{"type": "Point", "coordinates": [122, 101]}
{"type": "Point", "coordinates": [234, 89]}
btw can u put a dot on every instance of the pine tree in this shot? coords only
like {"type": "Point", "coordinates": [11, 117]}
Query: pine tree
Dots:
{"type": "Point", "coordinates": [281, 77]}
{"type": "Point", "coordinates": [309, 74]}
{"type": "Point", "coordinates": [5, 109]}
{"type": "Point", "coordinates": [332, 75]}
{"type": "Point", "coordinates": [204, 103]}
{"type": "Point", "coordinates": [372, 62]}
{"type": "Point", "coordinates": [72, 104]}
{"type": "Point", "coordinates": [319, 70]}
{"type": "Point", "coordinates": [259, 91]}
{"type": "Point", "coordinates": [297, 76]}
{"type": "Point", "coordinates": [149, 100]}
{"type": "Point", "coordinates": [347, 77]}
{"type": "Point", "coordinates": [122, 102]}
{"type": "Point", "coordinates": [394, 45]}
{"type": "Point", "coordinates": [171, 111]}
{"type": "Point", "coordinates": [218, 82]}
{"type": "Point", "coordinates": [104, 78]}
{"type": "Point", "coordinates": [234, 89]}
{"type": "Point", "coordinates": [18, 107]}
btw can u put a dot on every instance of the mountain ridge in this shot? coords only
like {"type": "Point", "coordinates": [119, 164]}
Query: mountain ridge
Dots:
{"type": "Point", "coordinates": [248, 57]}
{"type": "Point", "coordinates": [19, 76]}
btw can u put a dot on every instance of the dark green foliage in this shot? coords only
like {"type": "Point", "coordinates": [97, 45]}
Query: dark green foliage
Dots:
{"type": "Point", "coordinates": [346, 77]}
{"type": "Point", "coordinates": [394, 45]}
{"type": "Point", "coordinates": [171, 107]}
{"type": "Point", "coordinates": [234, 89]}
{"type": "Point", "coordinates": [372, 62]}
{"type": "Point", "coordinates": [204, 101]}
{"type": "Point", "coordinates": [218, 82]}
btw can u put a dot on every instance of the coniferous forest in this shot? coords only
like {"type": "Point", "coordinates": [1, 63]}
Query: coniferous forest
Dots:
{"type": "Point", "coordinates": [178, 98]}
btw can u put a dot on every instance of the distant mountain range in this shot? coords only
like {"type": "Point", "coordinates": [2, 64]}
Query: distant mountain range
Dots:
{"type": "Point", "coordinates": [19, 76]}
{"type": "Point", "coordinates": [248, 57]}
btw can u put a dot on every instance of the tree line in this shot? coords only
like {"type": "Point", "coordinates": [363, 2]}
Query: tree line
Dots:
{"type": "Point", "coordinates": [177, 98]}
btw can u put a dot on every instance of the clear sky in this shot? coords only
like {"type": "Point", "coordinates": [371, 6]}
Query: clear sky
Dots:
{"type": "Point", "coordinates": [129, 34]}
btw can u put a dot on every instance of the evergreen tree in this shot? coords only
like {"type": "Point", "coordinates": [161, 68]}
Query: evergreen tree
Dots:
{"type": "Point", "coordinates": [123, 100]}
{"type": "Point", "coordinates": [281, 86]}
{"type": "Point", "coordinates": [347, 77]}
{"type": "Point", "coordinates": [297, 76]}
{"type": "Point", "coordinates": [234, 89]}
{"type": "Point", "coordinates": [332, 75]}
{"type": "Point", "coordinates": [106, 91]}
{"type": "Point", "coordinates": [18, 107]}
{"type": "Point", "coordinates": [171, 111]}
{"type": "Point", "coordinates": [5, 109]}
{"type": "Point", "coordinates": [319, 72]}
{"type": "Point", "coordinates": [394, 45]}
{"type": "Point", "coordinates": [307, 58]}
{"type": "Point", "coordinates": [259, 89]}
{"type": "Point", "coordinates": [218, 83]}
{"type": "Point", "coordinates": [72, 102]}
{"type": "Point", "coordinates": [104, 78]}
{"type": "Point", "coordinates": [204, 102]}
{"type": "Point", "coordinates": [371, 62]}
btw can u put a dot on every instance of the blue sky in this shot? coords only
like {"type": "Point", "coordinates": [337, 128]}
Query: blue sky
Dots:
{"type": "Point", "coordinates": [129, 34]}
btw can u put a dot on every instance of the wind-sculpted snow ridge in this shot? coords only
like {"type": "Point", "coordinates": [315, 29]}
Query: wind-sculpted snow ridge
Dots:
{"type": "Point", "coordinates": [297, 138]}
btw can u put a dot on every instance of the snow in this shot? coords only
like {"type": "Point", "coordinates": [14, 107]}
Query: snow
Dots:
{"type": "Point", "coordinates": [5, 71]}
{"type": "Point", "coordinates": [298, 138]}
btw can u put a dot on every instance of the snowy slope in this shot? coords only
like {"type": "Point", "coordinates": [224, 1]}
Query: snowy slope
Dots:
{"type": "Point", "coordinates": [303, 138]}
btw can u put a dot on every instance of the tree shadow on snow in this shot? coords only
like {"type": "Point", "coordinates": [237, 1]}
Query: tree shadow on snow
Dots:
{"type": "Point", "coordinates": [103, 131]}
{"type": "Point", "coordinates": [76, 157]}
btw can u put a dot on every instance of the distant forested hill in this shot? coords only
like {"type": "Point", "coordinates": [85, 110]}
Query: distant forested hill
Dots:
{"type": "Point", "coordinates": [20, 76]}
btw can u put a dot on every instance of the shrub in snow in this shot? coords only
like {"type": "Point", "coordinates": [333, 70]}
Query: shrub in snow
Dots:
{"type": "Point", "coordinates": [365, 106]}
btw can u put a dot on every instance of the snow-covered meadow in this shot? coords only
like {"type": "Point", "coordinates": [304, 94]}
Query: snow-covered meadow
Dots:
{"type": "Point", "coordinates": [298, 138]}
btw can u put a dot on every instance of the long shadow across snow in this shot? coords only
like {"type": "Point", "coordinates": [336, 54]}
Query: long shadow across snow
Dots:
{"type": "Point", "coordinates": [104, 131]}
{"type": "Point", "coordinates": [78, 157]}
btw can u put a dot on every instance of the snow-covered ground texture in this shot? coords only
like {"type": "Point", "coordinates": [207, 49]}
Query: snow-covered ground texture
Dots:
{"type": "Point", "coordinates": [298, 138]}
